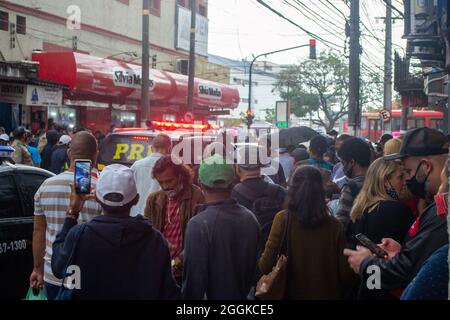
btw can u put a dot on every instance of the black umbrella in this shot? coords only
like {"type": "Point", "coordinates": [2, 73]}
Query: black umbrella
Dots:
{"type": "Point", "coordinates": [295, 135]}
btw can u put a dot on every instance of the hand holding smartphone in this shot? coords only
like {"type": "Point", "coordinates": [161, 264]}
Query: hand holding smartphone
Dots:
{"type": "Point", "coordinates": [83, 176]}
{"type": "Point", "coordinates": [369, 244]}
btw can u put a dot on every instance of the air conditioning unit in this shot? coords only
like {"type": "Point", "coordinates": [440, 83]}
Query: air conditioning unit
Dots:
{"type": "Point", "coordinates": [436, 85]}
{"type": "Point", "coordinates": [183, 66]}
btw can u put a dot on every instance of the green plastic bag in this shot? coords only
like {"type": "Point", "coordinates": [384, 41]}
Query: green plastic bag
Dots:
{"type": "Point", "coordinates": [35, 294]}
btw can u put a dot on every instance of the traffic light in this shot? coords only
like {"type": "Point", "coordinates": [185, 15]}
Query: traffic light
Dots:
{"type": "Point", "coordinates": [312, 49]}
{"type": "Point", "coordinates": [249, 116]}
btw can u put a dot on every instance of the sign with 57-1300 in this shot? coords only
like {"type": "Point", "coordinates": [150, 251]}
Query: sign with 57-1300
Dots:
{"type": "Point", "coordinates": [12, 246]}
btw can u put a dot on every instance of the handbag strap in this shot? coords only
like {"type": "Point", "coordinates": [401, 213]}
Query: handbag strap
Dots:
{"type": "Point", "coordinates": [284, 244]}
{"type": "Point", "coordinates": [75, 245]}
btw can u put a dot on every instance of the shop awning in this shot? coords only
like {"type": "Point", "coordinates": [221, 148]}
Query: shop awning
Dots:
{"type": "Point", "coordinates": [94, 76]}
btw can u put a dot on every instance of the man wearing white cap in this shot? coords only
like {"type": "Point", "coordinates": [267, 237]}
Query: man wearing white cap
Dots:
{"type": "Point", "coordinates": [119, 257]}
{"type": "Point", "coordinates": [4, 139]}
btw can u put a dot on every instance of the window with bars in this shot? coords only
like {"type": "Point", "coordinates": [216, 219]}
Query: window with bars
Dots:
{"type": "Point", "coordinates": [21, 24]}
{"type": "Point", "coordinates": [4, 20]}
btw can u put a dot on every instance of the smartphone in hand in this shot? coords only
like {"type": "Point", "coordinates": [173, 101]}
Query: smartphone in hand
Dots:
{"type": "Point", "coordinates": [369, 244]}
{"type": "Point", "coordinates": [83, 176]}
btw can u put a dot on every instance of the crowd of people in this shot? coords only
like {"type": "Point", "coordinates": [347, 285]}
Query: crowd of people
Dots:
{"type": "Point", "coordinates": [159, 231]}
{"type": "Point", "coordinates": [46, 148]}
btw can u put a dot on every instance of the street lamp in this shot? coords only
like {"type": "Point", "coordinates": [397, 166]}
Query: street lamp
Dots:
{"type": "Point", "coordinates": [249, 110]}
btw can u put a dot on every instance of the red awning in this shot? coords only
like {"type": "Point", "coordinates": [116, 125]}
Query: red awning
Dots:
{"type": "Point", "coordinates": [88, 75]}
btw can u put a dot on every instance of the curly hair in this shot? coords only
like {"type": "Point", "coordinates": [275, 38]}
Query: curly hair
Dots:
{"type": "Point", "coordinates": [179, 170]}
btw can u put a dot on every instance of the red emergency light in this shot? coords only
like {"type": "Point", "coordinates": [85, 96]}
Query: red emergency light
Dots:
{"type": "Point", "coordinates": [129, 129]}
{"type": "Point", "coordinates": [177, 125]}
{"type": "Point", "coordinates": [140, 138]}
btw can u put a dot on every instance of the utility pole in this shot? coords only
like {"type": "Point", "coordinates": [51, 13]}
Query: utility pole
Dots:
{"type": "Point", "coordinates": [288, 118]}
{"type": "Point", "coordinates": [145, 101]}
{"type": "Point", "coordinates": [354, 72]}
{"type": "Point", "coordinates": [192, 58]}
{"type": "Point", "coordinates": [388, 65]}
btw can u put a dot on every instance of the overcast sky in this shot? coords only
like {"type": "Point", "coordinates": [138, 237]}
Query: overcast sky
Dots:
{"type": "Point", "coordinates": [239, 29]}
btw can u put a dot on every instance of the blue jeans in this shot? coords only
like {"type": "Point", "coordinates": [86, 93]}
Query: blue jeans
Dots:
{"type": "Point", "coordinates": [51, 290]}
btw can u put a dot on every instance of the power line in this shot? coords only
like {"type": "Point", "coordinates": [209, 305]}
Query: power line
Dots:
{"type": "Point", "coordinates": [320, 16]}
{"type": "Point", "coordinates": [394, 8]}
{"type": "Point", "coordinates": [329, 2]}
{"type": "Point", "coordinates": [295, 24]}
{"type": "Point", "coordinates": [337, 33]}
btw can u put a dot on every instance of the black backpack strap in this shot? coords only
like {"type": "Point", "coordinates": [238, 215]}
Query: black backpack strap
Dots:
{"type": "Point", "coordinates": [271, 190]}
{"type": "Point", "coordinates": [246, 192]}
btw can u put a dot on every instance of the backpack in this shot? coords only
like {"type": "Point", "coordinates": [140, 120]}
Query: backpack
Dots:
{"type": "Point", "coordinates": [265, 206]}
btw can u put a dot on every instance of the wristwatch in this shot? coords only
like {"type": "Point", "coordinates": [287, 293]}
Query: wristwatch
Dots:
{"type": "Point", "coordinates": [73, 214]}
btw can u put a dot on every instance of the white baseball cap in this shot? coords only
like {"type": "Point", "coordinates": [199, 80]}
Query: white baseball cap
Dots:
{"type": "Point", "coordinates": [4, 137]}
{"type": "Point", "coordinates": [65, 139]}
{"type": "Point", "coordinates": [116, 186]}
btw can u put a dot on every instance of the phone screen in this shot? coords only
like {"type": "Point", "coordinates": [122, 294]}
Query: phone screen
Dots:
{"type": "Point", "coordinates": [83, 176]}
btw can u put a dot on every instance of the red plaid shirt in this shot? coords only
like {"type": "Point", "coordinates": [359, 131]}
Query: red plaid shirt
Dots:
{"type": "Point", "coordinates": [172, 228]}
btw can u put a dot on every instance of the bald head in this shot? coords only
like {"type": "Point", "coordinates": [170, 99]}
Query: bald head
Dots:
{"type": "Point", "coordinates": [162, 144]}
{"type": "Point", "coordinates": [83, 146]}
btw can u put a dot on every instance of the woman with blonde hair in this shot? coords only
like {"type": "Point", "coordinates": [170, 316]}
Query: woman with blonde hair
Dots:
{"type": "Point", "coordinates": [378, 212]}
{"type": "Point", "coordinates": [413, 202]}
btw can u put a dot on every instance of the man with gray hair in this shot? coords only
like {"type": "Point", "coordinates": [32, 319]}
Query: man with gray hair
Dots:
{"type": "Point", "coordinates": [142, 170]}
{"type": "Point", "coordinates": [264, 199]}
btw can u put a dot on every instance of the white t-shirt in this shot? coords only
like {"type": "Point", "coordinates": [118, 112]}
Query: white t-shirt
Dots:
{"type": "Point", "coordinates": [145, 184]}
{"type": "Point", "coordinates": [52, 201]}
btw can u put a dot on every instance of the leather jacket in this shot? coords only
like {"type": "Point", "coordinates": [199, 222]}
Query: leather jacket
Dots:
{"type": "Point", "coordinates": [399, 271]}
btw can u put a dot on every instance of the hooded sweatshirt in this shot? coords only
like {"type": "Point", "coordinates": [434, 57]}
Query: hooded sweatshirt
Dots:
{"type": "Point", "coordinates": [119, 258]}
{"type": "Point", "coordinates": [46, 155]}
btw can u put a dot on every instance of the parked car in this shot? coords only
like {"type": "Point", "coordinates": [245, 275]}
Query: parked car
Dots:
{"type": "Point", "coordinates": [18, 185]}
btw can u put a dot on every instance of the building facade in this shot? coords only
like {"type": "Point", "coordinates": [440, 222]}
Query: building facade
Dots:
{"type": "Point", "coordinates": [264, 77]}
{"type": "Point", "coordinates": [108, 29]}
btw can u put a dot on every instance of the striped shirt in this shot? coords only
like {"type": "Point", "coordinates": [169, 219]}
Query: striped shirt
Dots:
{"type": "Point", "coordinates": [172, 228]}
{"type": "Point", "coordinates": [347, 198]}
{"type": "Point", "coordinates": [52, 201]}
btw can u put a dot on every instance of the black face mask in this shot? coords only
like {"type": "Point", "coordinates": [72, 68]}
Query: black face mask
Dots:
{"type": "Point", "coordinates": [347, 171]}
{"type": "Point", "coordinates": [417, 188]}
{"type": "Point", "coordinates": [392, 192]}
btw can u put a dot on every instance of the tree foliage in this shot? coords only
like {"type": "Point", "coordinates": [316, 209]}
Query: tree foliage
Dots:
{"type": "Point", "coordinates": [319, 88]}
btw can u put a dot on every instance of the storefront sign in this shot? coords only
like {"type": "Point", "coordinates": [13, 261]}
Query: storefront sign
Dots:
{"type": "Point", "coordinates": [30, 95]}
{"type": "Point", "coordinates": [209, 91]}
{"type": "Point", "coordinates": [43, 96]}
{"type": "Point", "coordinates": [129, 78]}
{"type": "Point", "coordinates": [183, 32]}
{"type": "Point", "coordinates": [12, 93]}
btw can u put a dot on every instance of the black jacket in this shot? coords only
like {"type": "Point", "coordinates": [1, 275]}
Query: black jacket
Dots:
{"type": "Point", "coordinates": [46, 154]}
{"type": "Point", "coordinates": [220, 252]}
{"type": "Point", "coordinates": [119, 258]}
{"type": "Point", "coordinates": [248, 191]}
{"type": "Point", "coordinates": [59, 159]}
{"type": "Point", "coordinates": [399, 271]}
{"type": "Point", "coordinates": [386, 219]}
